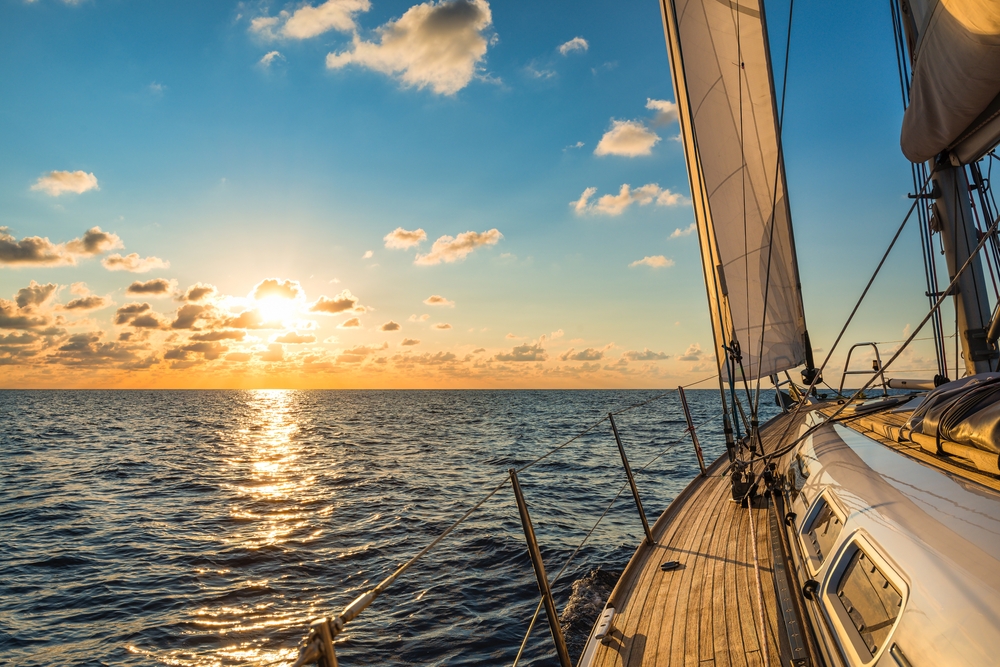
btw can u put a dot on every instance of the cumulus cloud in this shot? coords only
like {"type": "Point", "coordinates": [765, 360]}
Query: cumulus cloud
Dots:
{"type": "Point", "coordinates": [39, 251]}
{"type": "Point", "coordinates": [420, 318]}
{"type": "Point", "coordinates": [442, 326]}
{"type": "Point", "coordinates": [154, 287]}
{"type": "Point", "coordinates": [56, 183]}
{"type": "Point", "coordinates": [208, 351]}
{"type": "Point", "coordinates": [645, 355]}
{"type": "Point", "coordinates": [687, 231]}
{"type": "Point", "coordinates": [438, 300]}
{"type": "Point", "coordinates": [91, 302]}
{"type": "Point", "coordinates": [276, 287]}
{"type": "Point", "coordinates": [188, 315]}
{"type": "Point", "coordinates": [693, 353]}
{"type": "Point", "coordinates": [94, 242]}
{"type": "Point", "coordinates": [627, 138]}
{"type": "Point", "coordinates": [524, 352]}
{"type": "Point", "coordinates": [615, 205]}
{"type": "Point", "coordinates": [198, 291]}
{"type": "Point", "coordinates": [390, 326]}
{"type": "Point", "coordinates": [452, 249]}
{"type": "Point", "coordinates": [133, 263]}
{"type": "Point", "coordinates": [309, 21]}
{"type": "Point", "coordinates": [219, 335]}
{"type": "Point", "coordinates": [368, 254]}
{"type": "Point", "coordinates": [125, 314]}
{"type": "Point", "coordinates": [352, 323]}
{"type": "Point", "coordinates": [666, 111]}
{"type": "Point", "coordinates": [433, 44]}
{"type": "Point", "coordinates": [34, 295]}
{"type": "Point", "coordinates": [590, 354]}
{"type": "Point", "coordinates": [342, 303]}
{"type": "Point", "coordinates": [402, 239]}
{"type": "Point", "coordinates": [12, 317]}
{"type": "Point", "coordinates": [295, 338]}
{"type": "Point", "coordinates": [575, 44]}
{"type": "Point", "coordinates": [270, 57]}
{"type": "Point", "coordinates": [87, 349]}
{"type": "Point", "coordinates": [655, 261]}
{"type": "Point", "coordinates": [407, 342]}
{"type": "Point", "coordinates": [274, 352]}
{"type": "Point", "coordinates": [248, 319]}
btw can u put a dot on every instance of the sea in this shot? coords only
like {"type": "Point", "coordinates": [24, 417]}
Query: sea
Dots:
{"type": "Point", "coordinates": [207, 528]}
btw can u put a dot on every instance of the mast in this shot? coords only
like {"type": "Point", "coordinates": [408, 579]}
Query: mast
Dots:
{"type": "Point", "coordinates": [952, 120]}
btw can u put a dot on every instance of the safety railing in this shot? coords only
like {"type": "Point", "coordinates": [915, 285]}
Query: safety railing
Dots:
{"type": "Point", "coordinates": [319, 644]}
{"type": "Point", "coordinates": [876, 370]}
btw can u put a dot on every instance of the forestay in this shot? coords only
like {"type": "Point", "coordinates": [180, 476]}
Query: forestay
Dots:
{"type": "Point", "coordinates": [729, 128]}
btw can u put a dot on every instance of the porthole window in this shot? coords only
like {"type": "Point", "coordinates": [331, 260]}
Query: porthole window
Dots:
{"type": "Point", "coordinates": [865, 597]}
{"type": "Point", "coordinates": [824, 530]}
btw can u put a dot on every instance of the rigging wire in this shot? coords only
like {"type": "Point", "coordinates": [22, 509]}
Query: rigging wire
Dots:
{"type": "Point", "coordinates": [954, 281]}
{"type": "Point", "coordinates": [774, 202]}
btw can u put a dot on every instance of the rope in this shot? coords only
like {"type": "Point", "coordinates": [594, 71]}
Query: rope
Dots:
{"type": "Point", "coordinates": [761, 629]}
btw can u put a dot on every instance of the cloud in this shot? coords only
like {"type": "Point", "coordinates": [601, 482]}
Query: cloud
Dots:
{"type": "Point", "coordinates": [628, 138]}
{"type": "Point", "coordinates": [94, 242]}
{"type": "Point", "coordinates": [12, 317]}
{"type": "Point", "coordinates": [390, 326]}
{"type": "Point", "coordinates": [219, 335]}
{"type": "Point", "coordinates": [558, 333]}
{"type": "Point", "coordinates": [421, 318]}
{"type": "Point", "coordinates": [578, 144]}
{"type": "Point", "coordinates": [513, 336]}
{"type": "Point", "coordinates": [615, 205]}
{"type": "Point", "coordinates": [368, 254]}
{"type": "Point", "coordinates": [92, 302]}
{"type": "Point", "coordinates": [590, 354]}
{"type": "Point", "coordinates": [432, 44]}
{"type": "Point", "coordinates": [524, 352]}
{"type": "Point", "coordinates": [275, 287]}
{"type": "Point", "coordinates": [126, 314]}
{"type": "Point", "coordinates": [407, 342]}
{"type": "Point", "coordinates": [401, 239]}
{"type": "Point", "coordinates": [358, 354]}
{"type": "Point", "coordinates": [452, 249]}
{"type": "Point", "coordinates": [43, 252]}
{"type": "Point", "coordinates": [275, 352]}
{"type": "Point", "coordinates": [575, 44]}
{"type": "Point", "coordinates": [208, 350]}
{"type": "Point", "coordinates": [352, 323]}
{"type": "Point", "coordinates": [655, 261]}
{"type": "Point", "coordinates": [86, 349]}
{"type": "Point", "coordinates": [438, 300]}
{"type": "Point", "coordinates": [693, 353]}
{"type": "Point", "coordinates": [198, 291]}
{"type": "Point", "coordinates": [133, 263]}
{"type": "Point", "coordinates": [57, 183]}
{"type": "Point", "coordinates": [645, 355]}
{"type": "Point", "coordinates": [239, 356]}
{"type": "Point", "coordinates": [442, 325]}
{"type": "Point", "coordinates": [343, 302]}
{"type": "Point", "coordinates": [666, 111]}
{"type": "Point", "coordinates": [309, 21]}
{"type": "Point", "coordinates": [270, 57]}
{"type": "Point", "coordinates": [295, 338]}
{"type": "Point", "coordinates": [154, 287]}
{"type": "Point", "coordinates": [687, 231]}
{"type": "Point", "coordinates": [34, 295]}
{"type": "Point", "coordinates": [188, 315]}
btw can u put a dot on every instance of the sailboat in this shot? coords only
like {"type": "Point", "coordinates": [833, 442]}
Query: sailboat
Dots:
{"type": "Point", "coordinates": [851, 529]}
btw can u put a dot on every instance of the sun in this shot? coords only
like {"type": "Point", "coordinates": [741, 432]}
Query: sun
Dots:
{"type": "Point", "coordinates": [277, 309]}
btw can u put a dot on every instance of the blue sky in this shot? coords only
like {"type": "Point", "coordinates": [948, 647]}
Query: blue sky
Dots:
{"type": "Point", "coordinates": [235, 167]}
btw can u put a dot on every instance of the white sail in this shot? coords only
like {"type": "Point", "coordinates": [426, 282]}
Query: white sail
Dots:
{"type": "Point", "coordinates": [955, 93]}
{"type": "Point", "coordinates": [728, 125]}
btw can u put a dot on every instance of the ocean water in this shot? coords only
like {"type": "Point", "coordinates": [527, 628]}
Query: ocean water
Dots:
{"type": "Point", "coordinates": [206, 528]}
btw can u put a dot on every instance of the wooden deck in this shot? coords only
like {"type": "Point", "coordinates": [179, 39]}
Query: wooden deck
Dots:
{"type": "Point", "coordinates": [706, 612]}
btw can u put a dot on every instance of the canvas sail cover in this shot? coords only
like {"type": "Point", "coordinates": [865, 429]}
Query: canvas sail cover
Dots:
{"type": "Point", "coordinates": [955, 92]}
{"type": "Point", "coordinates": [728, 123]}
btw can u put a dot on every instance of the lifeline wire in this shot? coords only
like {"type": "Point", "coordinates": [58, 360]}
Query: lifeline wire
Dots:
{"type": "Point", "coordinates": [538, 609]}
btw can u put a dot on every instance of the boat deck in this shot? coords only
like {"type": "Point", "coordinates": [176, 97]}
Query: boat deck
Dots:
{"type": "Point", "coordinates": [706, 612]}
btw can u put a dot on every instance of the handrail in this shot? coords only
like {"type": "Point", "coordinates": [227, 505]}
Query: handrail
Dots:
{"type": "Point", "coordinates": [876, 371]}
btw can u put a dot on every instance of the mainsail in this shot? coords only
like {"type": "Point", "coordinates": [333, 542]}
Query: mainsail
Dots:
{"type": "Point", "coordinates": [725, 95]}
{"type": "Point", "coordinates": [955, 93]}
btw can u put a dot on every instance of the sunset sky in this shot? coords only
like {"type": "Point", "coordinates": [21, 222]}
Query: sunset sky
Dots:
{"type": "Point", "coordinates": [374, 193]}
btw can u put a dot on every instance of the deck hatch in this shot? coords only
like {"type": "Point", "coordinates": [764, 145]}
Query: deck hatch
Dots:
{"type": "Point", "coordinates": [871, 600]}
